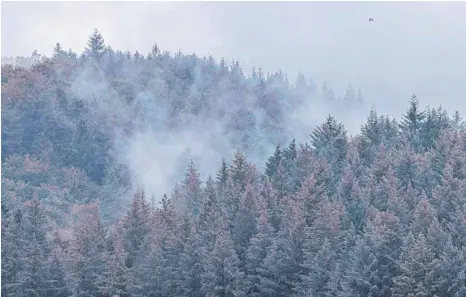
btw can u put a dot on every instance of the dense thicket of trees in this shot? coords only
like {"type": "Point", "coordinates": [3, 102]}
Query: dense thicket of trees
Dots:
{"type": "Point", "coordinates": [382, 213]}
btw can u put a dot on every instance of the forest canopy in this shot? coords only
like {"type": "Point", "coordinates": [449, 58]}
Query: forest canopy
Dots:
{"type": "Point", "coordinates": [126, 174]}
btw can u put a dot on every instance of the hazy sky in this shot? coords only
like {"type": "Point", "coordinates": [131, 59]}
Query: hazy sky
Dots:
{"type": "Point", "coordinates": [411, 47]}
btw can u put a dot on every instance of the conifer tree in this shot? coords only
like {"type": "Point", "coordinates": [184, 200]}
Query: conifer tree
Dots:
{"type": "Point", "coordinates": [95, 45]}
{"type": "Point", "coordinates": [257, 251]}
{"type": "Point", "coordinates": [273, 163]}
{"type": "Point", "coordinates": [417, 265]}
{"type": "Point", "coordinates": [245, 224]}
{"type": "Point", "coordinates": [222, 276]}
{"type": "Point", "coordinates": [411, 123]}
{"type": "Point", "coordinates": [136, 226]}
{"type": "Point", "coordinates": [115, 276]}
{"type": "Point", "coordinates": [87, 251]}
{"type": "Point", "coordinates": [192, 190]}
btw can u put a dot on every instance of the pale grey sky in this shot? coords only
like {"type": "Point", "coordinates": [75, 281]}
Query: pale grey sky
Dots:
{"type": "Point", "coordinates": [411, 47]}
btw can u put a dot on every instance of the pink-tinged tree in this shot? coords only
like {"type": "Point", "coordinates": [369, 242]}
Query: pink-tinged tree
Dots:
{"type": "Point", "coordinates": [222, 276]}
{"type": "Point", "coordinates": [382, 163]}
{"type": "Point", "coordinates": [327, 224]}
{"type": "Point", "coordinates": [449, 194]}
{"type": "Point", "coordinates": [87, 252]}
{"type": "Point", "coordinates": [437, 237]}
{"type": "Point", "coordinates": [394, 198]}
{"type": "Point", "coordinates": [311, 194]}
{"type": "Point", "coordinates": [423, 216]}
{"type": "Point", "coordinates": [136, 226]}
{"type": "Point", "coordinates": [417, 266]}
{"type": "Point", "coordinates": [257, 251]}
{"type": "Point", "coordinates": [269, 198]}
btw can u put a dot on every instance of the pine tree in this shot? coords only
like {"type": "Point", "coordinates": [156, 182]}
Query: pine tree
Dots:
{"type": "Point", "coordinates": [135, 226]}
{"type": "Point", "coordinates": [58, 51]}
{"type": "Point", "coordinates": [318, 267]}
{"type": "Point", "coordinates": [95, 45]}
{"type": "Point", "coordinates": [350, 194]}
{"type": "Point", "coordinates": [373, 261]}
{"type": "Point", "coordinates": [257, 251]}
{"type": "Point", "coordinates": [115, 276]}
{"type": "Point", "coordinates": [57, 286]}
{"type": "Point", "coordinates": [280, 270]}
{"type": "Point", "coordinates": [423, 217]}
{"type": "Point", "coordinates": [238, 170]}
{"type": "Point", "coordinates": [329, 140]}
{"type": "Point", "coordinates": [245, 225]}
{"type": "Point", "coordinates": [411, 123]}
{"type": "Point", "coordinates": [273, 163]}
{"type": "Point", "coordinates": [87, 252]}
{"type": "Point", "coordinates": [222, 176]}
{"type": "Point", "coordinates": [192, 190]}
{"type": "Point", "coordinates": [406, 166]}
{"type": "Point", "coordinates": [451, 271]}
{"type": "Point", "coordinates": [208, 216]}
{"type": "Point", "coordinates": [435, 121]}
{"type": "Point", "coordinates": [34, 277]}
{"type": "Point", "coordinates": [11, 264]}
{"type": "Point", "coordinates": [222, 276]}
{"type": "Point", "coordinates": [417, 265]}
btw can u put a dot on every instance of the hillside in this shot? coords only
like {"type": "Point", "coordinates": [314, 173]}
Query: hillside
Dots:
{"type": "Point", "coordinates": [267, 191]}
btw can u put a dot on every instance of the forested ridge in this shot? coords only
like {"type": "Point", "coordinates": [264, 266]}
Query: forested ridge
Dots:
{"type": "Point", "coordinates": [380, 213]}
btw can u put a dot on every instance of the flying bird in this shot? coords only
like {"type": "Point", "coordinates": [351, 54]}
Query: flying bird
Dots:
{"type": "Point", "coordinates": [371, 20]}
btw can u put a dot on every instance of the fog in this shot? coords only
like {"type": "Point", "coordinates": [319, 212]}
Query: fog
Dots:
{"type": "Point", "coordinates": [409, 48]}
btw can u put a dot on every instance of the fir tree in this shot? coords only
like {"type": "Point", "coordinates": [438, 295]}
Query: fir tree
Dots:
{"type": "Point", "coordinates": [135, 226]}
{"type": "Point", "coordinates": [417, 265]}
{"type": "Point", "coordinates": [95, 45]}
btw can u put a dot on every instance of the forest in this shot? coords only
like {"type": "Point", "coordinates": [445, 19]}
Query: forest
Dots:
{"type": "Point", "coordinates": [163, 174]}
